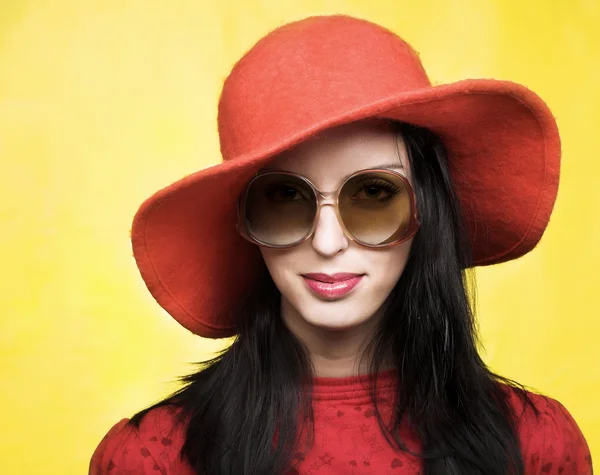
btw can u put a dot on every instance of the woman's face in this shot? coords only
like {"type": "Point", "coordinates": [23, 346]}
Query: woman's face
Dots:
{"type": "Point", "coordinates": [326, 160]}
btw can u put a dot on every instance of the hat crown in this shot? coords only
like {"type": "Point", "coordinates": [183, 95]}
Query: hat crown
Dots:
{"type": "Point", "coordinates": [307, 72]}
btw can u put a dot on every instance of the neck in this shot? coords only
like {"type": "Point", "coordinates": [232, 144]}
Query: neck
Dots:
{"type": "Point", "coordinates": [333, 352]}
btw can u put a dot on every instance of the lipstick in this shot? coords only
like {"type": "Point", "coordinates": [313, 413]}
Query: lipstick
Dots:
{"type": "Point", "coordinates": [331, 287]}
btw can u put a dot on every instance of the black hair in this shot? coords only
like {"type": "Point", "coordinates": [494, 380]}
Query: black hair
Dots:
{"type": "Point", "coordinates": [458, 407]}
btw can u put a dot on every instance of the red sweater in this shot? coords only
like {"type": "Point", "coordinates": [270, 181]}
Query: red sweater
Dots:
{"type": "Point", "coordinates": [348, 438]}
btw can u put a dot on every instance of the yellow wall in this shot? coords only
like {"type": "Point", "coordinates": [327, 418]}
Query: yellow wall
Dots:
{"type": "Point", "coordinates": [102, 102]}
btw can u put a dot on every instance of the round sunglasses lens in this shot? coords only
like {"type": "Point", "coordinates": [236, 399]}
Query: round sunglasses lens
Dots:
{"type": "Point", "coordinates": [279, 209]}
{"type": "Point", "coordinates": [375, 208]}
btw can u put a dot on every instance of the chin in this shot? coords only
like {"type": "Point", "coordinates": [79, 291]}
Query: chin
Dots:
{"type": "Point", "coordinates": [335, 318]}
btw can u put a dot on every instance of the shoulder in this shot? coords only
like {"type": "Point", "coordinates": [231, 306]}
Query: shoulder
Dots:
{"type": "Point", "coordinates": [551, 440]}
{"type": "Point", "coordinates": [153, 447]}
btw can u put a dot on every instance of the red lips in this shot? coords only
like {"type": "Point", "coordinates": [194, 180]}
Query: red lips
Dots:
{"type": "Point", "coordinates": [331, 287]}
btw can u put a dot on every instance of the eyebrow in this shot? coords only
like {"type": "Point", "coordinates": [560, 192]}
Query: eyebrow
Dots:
{"type": "Point", "coordinates": [398, 166]}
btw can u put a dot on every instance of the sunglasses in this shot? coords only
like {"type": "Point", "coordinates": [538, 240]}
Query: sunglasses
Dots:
{"type": "Point", "coordinates": [374, 207]}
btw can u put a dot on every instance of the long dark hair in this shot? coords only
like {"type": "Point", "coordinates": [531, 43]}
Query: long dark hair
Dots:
{"type": "Point", "coordinates": [249, 395]}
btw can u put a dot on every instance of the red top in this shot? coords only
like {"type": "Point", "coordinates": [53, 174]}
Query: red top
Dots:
{"type": "Point", "coordinates": [347, 438]}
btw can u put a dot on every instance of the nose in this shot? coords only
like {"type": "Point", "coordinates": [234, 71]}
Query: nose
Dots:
{"type": "Point", "coordinates": [329, 238]}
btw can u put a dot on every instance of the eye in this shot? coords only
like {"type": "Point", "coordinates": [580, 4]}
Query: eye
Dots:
{"type": "Point", "coordinates": [283, 192]}
{"type": "Point", "coordinates": [376, 189]}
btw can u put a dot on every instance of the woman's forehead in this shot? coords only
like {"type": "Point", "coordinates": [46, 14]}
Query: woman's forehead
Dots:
{"type": "Point", "coordinates": [336, 153]}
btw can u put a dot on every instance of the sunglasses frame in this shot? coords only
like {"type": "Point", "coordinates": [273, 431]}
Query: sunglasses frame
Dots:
{"type": "Point", "coordinates": [330, 198]}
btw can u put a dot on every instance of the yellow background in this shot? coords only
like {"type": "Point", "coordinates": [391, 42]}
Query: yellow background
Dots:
{"type": "Point", "coordinates": [103, 102]}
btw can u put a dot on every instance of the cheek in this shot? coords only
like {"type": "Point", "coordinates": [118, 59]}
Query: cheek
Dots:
{"type": "Point", "coordinates": [387, 266]}
{"type": "Point", "coordinates": [279, 263]}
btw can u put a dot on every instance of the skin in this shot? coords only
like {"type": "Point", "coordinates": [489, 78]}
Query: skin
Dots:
{"type": "Point", "coordinates": [334, 330]}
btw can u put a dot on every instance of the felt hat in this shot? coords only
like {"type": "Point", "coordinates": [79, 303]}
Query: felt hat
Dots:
{"type": "Point", "coordinates": [316, 73]}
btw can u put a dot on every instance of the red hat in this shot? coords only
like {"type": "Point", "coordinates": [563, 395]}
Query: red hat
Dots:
{"type": "Point", "coordinates": [319, 72]}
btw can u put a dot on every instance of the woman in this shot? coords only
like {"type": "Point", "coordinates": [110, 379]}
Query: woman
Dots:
{"type": "Point", "coordinates": [334, 242]}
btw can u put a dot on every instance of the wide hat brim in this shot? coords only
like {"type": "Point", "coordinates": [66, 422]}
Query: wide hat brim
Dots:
{"type": "Point", "coordinates": [504, 157]}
